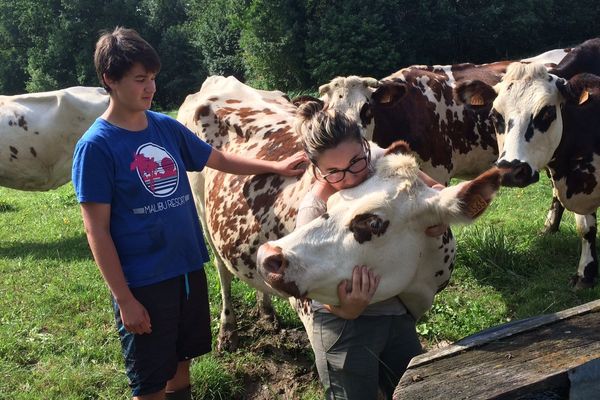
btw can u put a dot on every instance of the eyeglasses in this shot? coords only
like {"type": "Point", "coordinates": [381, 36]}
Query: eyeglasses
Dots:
{"type": "Point", "coordinates": [356, 166]}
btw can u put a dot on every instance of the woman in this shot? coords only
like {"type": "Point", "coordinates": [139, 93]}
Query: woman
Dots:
{"type": "Point", "coordinates": [358, 347]}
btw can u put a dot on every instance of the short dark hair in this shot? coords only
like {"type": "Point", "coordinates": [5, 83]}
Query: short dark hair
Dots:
{"type": "Point", "coordinates": [117, 51]}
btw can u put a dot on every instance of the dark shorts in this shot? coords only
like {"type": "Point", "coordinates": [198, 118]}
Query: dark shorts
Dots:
{"type": "Point", "coordinates": [180, 318]}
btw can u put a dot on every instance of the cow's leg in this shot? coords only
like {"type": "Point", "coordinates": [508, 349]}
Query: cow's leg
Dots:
{"type": "Point", "coordinates": [266, 312]}
{"type": "Point", "coordinates": [228, 336]}
{"type": "Point", "coordinates": [587, 272]}
{"type": "Point", "coordinates": [554, 216]}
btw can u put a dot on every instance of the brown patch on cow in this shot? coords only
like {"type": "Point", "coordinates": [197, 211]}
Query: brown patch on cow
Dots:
{"type": "Point", "coordinates": [13, 150]}
{"type": "Point", "coordinates": [364, 226]}
{"type": "Point", "coordinates": [213, 99]}
{"type": "Point", "coordinates": [33, 152]}
{"type": "Point", "coordinates": [233, 101]}
{"type": "Point", "coordinates": [202, 111]}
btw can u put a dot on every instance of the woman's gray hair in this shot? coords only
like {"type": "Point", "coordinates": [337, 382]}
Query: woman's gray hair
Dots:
{"type": "Point", "coordinates": [321, 129]}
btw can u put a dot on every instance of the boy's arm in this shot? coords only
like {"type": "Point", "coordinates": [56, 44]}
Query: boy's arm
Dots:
{"type": "Point", "coordinates": [234, 164]}
{"type": "Point", "coordinates": [96, 220]}
{"type": "Point", "coordinates": [429, 181]}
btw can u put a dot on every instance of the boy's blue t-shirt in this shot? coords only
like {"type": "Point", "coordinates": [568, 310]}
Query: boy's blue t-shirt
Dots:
{"type": "Point", "coordinates": [142, 175]}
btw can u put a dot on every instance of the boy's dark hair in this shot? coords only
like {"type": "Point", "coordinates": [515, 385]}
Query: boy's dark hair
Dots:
{"type": "Point", "coordinates": [117, 51]}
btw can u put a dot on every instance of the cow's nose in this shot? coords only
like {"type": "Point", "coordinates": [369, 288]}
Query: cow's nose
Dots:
{"type": "Point", "coordinates": [517, 173]}
{"type": "Point", "coordinates": [271, 259]}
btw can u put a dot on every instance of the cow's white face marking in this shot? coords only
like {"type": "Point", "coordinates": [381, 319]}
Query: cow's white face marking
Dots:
{"type": "Point", "coordinates": [526, 115]}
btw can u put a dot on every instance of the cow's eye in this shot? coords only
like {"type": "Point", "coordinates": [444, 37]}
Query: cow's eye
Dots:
{"type": "Point", "coordinates": [366, 114]}
{"type": "Point", "coordinates": [544, 118]}
{"type": "Point", "coordinates": [375, 224]}
{"type": "Point", "coordinates": [498, 121]}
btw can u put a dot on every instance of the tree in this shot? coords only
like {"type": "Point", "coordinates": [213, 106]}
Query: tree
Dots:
{"type": "Point", "coordinates": [273, 46]}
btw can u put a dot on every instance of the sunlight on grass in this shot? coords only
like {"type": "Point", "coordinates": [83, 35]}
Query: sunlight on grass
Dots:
{"type": "Point", "coordinates": [57, 336]}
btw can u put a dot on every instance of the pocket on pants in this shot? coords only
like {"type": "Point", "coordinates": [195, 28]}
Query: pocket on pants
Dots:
{"type": "Point", "coordinates": [329, 329]}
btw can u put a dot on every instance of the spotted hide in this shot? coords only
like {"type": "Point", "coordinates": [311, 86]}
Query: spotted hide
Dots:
{"type": "Point", "coordinates": [38, 132]}
{"type": "Point", "coordinates": [543, 121]}
{"type": "Point", "coordinates": [241, 212]}
{"type": "Point", "coordinates": [416, 104]}
{"type": "Point", "coordinates": [380, 223]}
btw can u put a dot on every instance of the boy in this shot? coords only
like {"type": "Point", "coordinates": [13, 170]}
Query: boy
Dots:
{"type": "Point", "coordinates": [140, 220]}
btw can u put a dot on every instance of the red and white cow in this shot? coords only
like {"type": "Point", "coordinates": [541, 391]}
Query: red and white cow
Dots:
{"type": "Point", "coordinates": [543, 121]}
{"type": "Point", "coordinates": [239, 213]}
{"type": "Point", "coordinates": [380, 223]}
{"type": "Point", "coordinates": [38, 132]}
{"type": "Point", "coordinates": [416, 105]}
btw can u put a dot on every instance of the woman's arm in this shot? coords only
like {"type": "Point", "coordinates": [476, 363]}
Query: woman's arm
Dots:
{"type": "Point", "coordinates": [96, 220]}
{"type": "Point", "coordinates": [234, 164]}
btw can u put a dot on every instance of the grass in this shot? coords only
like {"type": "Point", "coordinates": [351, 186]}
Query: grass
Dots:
{"type": "Point", "coordinates": [57, 339]}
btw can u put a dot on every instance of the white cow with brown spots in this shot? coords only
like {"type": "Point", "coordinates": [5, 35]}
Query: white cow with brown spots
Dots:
{"type": "Point", "coordinates": [38, 132]}
{"type": "Point", "coordinates": [380, 223]}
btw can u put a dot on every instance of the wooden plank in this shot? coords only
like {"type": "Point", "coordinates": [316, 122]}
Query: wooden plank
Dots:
{"type": "Point", "coordinates": [510, 364]}
{"type": "Point", "coordinates": [503, 331]}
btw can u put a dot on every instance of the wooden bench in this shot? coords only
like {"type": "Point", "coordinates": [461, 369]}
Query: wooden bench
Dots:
{"type": "Point", "coordinates": [517, 360]}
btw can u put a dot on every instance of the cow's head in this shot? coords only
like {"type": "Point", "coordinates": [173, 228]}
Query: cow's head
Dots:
{"type": "Point", "coordinates": [380, 223]}
{"type": "Point", "coordinates": [526, 113]}
{"type": "Point", "coordinates": [351, 96]}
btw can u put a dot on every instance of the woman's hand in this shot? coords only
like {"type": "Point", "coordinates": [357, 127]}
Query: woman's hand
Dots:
{"type": "Point", "coordinates": [355, 296]}
{"type": "Point", "coordinates": [293, 165]}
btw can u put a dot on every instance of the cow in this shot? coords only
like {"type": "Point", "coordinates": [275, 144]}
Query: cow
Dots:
{"type": "Point", "coordinates": [416, 104]}
{"type": "Point", "coordinates": [38, 132]}
{"type": "Point", "coordinates": [543, 121]}
{"type": "Point", "coordinates": [238, 213]}
{"type": "Point", "coordinates": [380, 223]}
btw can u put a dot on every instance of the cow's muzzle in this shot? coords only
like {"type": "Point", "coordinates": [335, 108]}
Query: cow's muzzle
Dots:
{"type": "Point", "coordinates": [272, 265]}
{"type": "Point", "coordinates": [517, 173]}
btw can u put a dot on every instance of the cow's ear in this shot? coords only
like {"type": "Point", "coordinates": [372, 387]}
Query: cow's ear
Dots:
{"type": "Point", "coordinates": [365, 226]}
{"type": "Point", "coordinates": [324, 89]}
{"type": "Point", "coordinates": [370, 82]}
{"type": "Point", "coordinates": [476, 195]}
{"type": "Point", "coordinates": [474, 94]}
{"type": "Point", "coordinates": [576, 90]}
{"type": "Point", "coordinates": [389, 93]}
{"type": "Point", "coordinates": [305, 98]}
{"type": "Point", "coordinates": [398, 147]}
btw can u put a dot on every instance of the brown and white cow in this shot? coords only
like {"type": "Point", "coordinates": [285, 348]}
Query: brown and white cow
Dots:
{"type": "Point", "coordinates": [380, 223]}
{"type": "Point", "coordinates": [543, 121]}
{"type": "Point", "coordinates": [239, 213]}
{"type": "Point", "coordinates": [38, 132]}
{"type": "Point", "coordinates": [416, 104]}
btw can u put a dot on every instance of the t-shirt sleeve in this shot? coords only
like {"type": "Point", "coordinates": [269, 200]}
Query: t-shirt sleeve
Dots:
{"type": "Point", "coordinates": [194, 151]}
{"type": "Point", "coordinates": [310, 208]}
{"type": "Point", "coordinates": [92, 174]}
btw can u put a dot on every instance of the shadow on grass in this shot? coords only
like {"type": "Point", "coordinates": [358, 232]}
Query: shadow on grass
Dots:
{"type": "Point", "coordinates": [7, 207]}
{"type": "Point", "coordinates": [67, 249]}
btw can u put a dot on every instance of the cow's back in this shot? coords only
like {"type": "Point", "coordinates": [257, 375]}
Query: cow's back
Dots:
{"type": "Point", "coordinates": [241, 212]}
{"type": "Point", "coordinates": [38, 132]}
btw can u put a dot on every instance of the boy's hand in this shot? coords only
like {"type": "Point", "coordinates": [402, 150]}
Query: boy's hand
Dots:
{"type": "Point", "coordinates": [135, 317]}
{"type": "Point", "coordinates": [293, 165]}
{"type": "Point", "coordinates": [355, 296]}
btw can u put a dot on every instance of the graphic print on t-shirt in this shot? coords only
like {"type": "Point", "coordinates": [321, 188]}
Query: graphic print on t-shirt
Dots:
{"type": "Point", "coordinates": [157, 169]}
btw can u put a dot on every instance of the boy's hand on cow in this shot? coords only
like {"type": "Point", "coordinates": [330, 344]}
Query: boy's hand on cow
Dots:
{"type": "Point", "coordinates": [135, 317]}
{"type": "Point", "coordinates": [355, 295]}
{"type": "Point", "coordinates": [293, 165]}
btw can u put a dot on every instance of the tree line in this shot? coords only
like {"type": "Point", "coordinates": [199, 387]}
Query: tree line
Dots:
{"type": "Point", "coordinates": [289, 45]}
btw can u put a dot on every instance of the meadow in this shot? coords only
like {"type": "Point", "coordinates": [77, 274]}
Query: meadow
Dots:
{"type": "Point", "coordinates": [57, 336]}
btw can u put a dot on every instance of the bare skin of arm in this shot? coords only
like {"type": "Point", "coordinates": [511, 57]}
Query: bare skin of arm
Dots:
{"type": "Point", "coordinates": [234, 164]}
{"type": "Point", "coordinates": [96, 220]}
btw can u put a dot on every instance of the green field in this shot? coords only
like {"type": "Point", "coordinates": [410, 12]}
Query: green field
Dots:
{"type": "Point", "coordinates": [57, 339]}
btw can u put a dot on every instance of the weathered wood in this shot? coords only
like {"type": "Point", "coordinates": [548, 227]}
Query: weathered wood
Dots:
{"type": "Point", "coordinates": [509, 361]}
